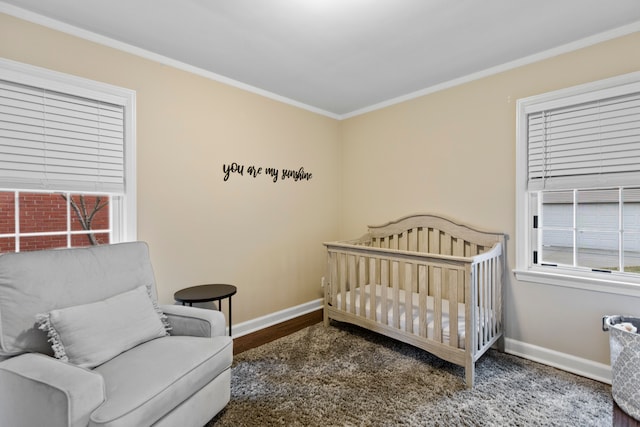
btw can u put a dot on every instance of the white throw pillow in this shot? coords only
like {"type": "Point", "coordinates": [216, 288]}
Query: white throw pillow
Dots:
{"type": "Point", "coordinates": [91, 334]}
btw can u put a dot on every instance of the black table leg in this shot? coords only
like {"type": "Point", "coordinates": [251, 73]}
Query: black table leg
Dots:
{"type": "Point", "coordinates": [229, 316]}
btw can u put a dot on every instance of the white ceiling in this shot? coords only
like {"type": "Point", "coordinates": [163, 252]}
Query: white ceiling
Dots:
{"type": "Point", "coordinates": [338, 57]}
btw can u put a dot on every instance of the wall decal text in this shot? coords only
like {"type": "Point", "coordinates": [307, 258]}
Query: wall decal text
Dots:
{"type": "Point", "coordinates": [273, 173]}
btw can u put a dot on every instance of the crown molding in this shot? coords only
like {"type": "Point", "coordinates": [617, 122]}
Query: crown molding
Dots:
{"type": "Point", "coordinates": [550, 53]}
{"type": "Point", "coordinates": [109, 42]}
{"type": "Point", "coordinates": [125, 47]}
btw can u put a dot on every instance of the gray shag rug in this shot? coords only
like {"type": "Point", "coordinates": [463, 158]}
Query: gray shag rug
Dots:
{"type": "Point", "coordinates": [346, 376]}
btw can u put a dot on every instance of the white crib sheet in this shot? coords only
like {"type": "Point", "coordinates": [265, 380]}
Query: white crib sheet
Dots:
{"type": "Point", "coordinates": [401, 311]}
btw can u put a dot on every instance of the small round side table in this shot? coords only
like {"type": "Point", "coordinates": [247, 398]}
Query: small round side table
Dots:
{"type": "Point", "coordinates": [206, 293]}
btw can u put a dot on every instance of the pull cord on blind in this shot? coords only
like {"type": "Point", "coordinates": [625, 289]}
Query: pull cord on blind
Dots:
{"type": "Point", "coordinates": [593, 144]}
{"type": "Point", "coordinates": [56, 141]}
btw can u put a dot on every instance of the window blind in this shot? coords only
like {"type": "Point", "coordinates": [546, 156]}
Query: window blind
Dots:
{"type": "Point", "coordinates": [56, 141]}
{"type": "Point", "coordinates": [592, 144]}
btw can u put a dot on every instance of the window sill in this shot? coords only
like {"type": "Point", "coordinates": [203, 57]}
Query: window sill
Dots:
{"type": "Point", "coordinates": [608, 284]}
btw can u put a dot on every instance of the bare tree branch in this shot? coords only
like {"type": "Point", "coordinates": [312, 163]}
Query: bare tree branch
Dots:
{"type": "Point", "coordinates": [84, 217]}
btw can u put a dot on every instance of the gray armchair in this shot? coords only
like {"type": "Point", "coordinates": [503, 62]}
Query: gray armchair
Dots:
{"type": "Point", "coordinates": [83, 342]}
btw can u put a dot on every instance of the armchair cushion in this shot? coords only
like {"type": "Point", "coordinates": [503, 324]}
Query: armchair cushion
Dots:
{"type": "Point", "coordinates": [88, 335]}
{"type": "Point", "coordinates": [142, 382]}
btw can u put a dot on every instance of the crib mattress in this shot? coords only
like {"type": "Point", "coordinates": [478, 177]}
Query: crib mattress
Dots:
{"type": "Point", "coordinates": [402, 311]}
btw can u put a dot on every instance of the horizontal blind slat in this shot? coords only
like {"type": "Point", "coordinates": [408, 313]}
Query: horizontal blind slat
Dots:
{"type": "Point", "coordinates": [48, 139]}
{"type": "Point", "coordinates": [584, 142]}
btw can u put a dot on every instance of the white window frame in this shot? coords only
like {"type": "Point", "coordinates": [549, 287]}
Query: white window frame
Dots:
{"type": "Point", "coordinates": [560, 276]}
{"type": "Point", "coordinates": [123, 206]}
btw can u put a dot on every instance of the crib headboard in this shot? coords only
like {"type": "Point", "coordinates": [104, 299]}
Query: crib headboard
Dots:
{"type": "Point", "coordinates": [428, 233]}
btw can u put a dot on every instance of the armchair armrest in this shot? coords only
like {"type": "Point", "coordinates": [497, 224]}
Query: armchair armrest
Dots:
{"type": "Point", "coordinates": [194, 321]}
{"type": "Point", "coordinates": [36, 389]}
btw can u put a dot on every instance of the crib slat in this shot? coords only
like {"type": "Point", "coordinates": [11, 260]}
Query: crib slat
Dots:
{"type": "Point", "coordinates": [453, 308]}
{"type": "Point", "coordinates": [434, 241]}
{"type": "Point", "coordinates": [372, 280]}
{"type": "Point", "coordinates": [415, 290]}
{"type": "Point", "coordinates": [487, 306]}
{"type": "Point", "coordinates": [458, 247]}
{"type": "Point", "coordinates": [437, 303]}
{"type": "Point", "coordinates": [471, 337]}
{"type": "Point", "coordinates": [408, 297]}
{"type": "Point", "coordinates": [423, 239]}
{"type": "Point", "coordinates": [384, 282]}
{"type": "Point", "coordinates": [413, 239]}
{"type": "Point", "coordinates": [473, 249]}
{"type": "Point", "coordinates": [333, 277]}
{"type": "Point", "coordinates": [490, 299]}
{"type": "Point", "coordinates": [423, 292]}
{"type": "Point", "coordinates": [482, 292]}
{"type": "Point", "coordinates": [497, 295]}
{"type": "Point", "coordinates": [483, 315]}
{"type": "Point", "coordinates": [445, 243]}
{"type": "Point", "coordinates": [362, 281]}
{"type": "Point", "coordinates": [478, 307]}
{"type": "Point", "coordinates": [343, 281]}
{"type": "Point", "coordinates": [395, 282]}
{"type": "Point", "coordinates": [351, 265]}
{"type": "Point", "coordinates": [403, 240]}
{"type": "Point", "coordinates": [486, 288]}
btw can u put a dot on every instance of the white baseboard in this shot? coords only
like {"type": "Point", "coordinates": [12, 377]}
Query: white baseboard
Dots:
{"type": "Point", "coordinates": [567, 362]}
{"type": "Point", "coordinates": [271, 319]}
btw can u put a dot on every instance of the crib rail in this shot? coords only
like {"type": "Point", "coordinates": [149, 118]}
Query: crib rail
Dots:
{"type": "Point", "coordinates": [400, 277]}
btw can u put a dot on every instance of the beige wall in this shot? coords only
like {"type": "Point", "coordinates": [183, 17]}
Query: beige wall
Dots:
{"type": "Point", "coordinates": [264, 237]}
{"type": "Point", "coordinates": [453, 153]}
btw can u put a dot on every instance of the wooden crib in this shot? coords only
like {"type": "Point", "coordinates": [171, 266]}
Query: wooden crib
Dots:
{"type": "Point", "coordinates": [446, 272]}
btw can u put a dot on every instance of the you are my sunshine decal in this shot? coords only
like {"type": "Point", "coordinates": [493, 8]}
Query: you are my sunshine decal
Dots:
{"type": "Point", "coordinates": [273, 173]}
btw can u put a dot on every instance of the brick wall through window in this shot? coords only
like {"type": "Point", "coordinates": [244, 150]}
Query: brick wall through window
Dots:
{"type": "Point", "coordinates": [45, 220]}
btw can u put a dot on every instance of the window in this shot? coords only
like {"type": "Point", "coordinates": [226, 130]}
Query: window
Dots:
{"type": "Point", "coordinates": [42, 220]}
{"type": "Point", "coordinates": [578, 186]}
{"type": "Point", "coordinates": [67, 160]}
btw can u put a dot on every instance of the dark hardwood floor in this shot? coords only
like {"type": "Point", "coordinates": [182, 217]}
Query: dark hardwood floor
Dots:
{"type": "Point", "coordinates": [622, 419]}
{"type": "Point", "coordinates": [271, 333]}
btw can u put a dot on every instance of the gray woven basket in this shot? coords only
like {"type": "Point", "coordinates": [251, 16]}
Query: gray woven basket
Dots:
{"type": "Point", "coordinates": [625, 363]}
